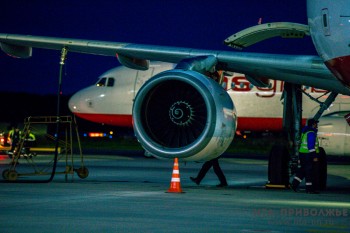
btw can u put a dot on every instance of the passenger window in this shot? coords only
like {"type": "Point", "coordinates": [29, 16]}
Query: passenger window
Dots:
{"type": "Point", "coordinates": [101, 82]}
{"type": "Point", "coordinates": [110, 82]}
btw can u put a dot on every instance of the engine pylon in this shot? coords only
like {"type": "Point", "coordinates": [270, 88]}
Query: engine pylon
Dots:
{"type": "Point", "coordinates": [175, 184]}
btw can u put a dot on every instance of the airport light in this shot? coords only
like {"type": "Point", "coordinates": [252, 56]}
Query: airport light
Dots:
{"type": "Point", "coordinates": [96, 135]}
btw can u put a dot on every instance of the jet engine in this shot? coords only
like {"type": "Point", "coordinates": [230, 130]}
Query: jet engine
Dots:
{"type": "Point", "coordinates": [185, 115]}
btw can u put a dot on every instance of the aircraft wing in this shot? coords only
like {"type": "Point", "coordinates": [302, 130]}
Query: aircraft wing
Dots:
{"type": "Point", "coordinates": [298, 69]}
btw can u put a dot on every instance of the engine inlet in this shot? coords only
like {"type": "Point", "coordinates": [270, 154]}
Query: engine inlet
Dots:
{"type": "Point", "coordinates": [180, 113]}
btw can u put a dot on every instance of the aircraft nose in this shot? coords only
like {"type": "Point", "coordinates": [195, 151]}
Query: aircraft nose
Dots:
{"type": "Point", "coordinates": [82, 102]}
{"type": "Point", "coordinates": [74, 103]}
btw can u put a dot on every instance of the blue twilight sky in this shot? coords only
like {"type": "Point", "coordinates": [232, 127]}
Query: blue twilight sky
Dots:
{"type": "Point", "coordinates": [195, 23]}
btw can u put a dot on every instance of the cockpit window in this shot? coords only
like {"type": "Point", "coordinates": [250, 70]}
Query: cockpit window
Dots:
{"type": "Point", "coordinates": [101, 82]}
{"type": "Point", "coordinates": [110, 82]}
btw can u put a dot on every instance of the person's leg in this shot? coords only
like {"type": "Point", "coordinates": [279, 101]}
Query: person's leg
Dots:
{"type": "Point", "coordinates": [219, 173]}
{"type": "Point", "coordinates": [300, 174]}
{"type": "Point", "coordinates": [308, 174]}
{"type": "Point", "coordinates": [205, 168]}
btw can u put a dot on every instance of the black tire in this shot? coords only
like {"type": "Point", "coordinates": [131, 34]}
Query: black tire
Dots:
{"type": "Point", "coordinates": [83, 172]}
{"type": "Point", "coordinates": [12, 175]}
{"type": "Point", "coordinates": [278, 165]}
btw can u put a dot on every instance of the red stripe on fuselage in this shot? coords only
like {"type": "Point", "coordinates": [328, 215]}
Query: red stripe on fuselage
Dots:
{"type": "Point", "coordinates": [340, 67]}
{"type": "Point", "coordinates": [259, 124]}
{"type": "Point", "coordinates": [109, 119]}
{"type": "Point", "coordinates": [244, 123]}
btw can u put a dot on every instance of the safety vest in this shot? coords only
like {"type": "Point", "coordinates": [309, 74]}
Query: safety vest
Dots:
{"type": "Point", "coordinates": [31, 136]}
{"type": "Point", "coordinates": [11, 133]}
{"type": "Point", "coordinates": [303, 145]}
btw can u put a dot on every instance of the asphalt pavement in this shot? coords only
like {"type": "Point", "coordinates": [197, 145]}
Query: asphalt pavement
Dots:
{"type": "Point", "coordinates": [129, 194]}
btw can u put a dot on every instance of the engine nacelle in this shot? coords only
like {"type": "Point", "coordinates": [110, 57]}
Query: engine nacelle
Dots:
{"type": "Point", "coordinates": [184, 114]}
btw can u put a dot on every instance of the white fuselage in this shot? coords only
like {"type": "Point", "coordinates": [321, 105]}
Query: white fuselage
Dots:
{"type": "Point", "coordinates": [258, 109]}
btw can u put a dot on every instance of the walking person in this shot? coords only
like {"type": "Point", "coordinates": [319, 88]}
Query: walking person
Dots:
{"type": "Point", "coordinates": [205, 168]}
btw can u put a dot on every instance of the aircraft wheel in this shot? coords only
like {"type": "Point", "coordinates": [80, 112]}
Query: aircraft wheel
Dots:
{"type": "Point", "coordinates": [12, 175]}
{"type": "Point", "coordinates": [5, 174]}
{"type": "Point", "coordinates": [83, 172]}
{"type": "Point", "coordinates": [278, 165]}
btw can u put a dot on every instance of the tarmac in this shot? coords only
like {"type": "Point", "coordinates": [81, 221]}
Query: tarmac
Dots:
{"type": "Point", "coordinates": [129, 194]}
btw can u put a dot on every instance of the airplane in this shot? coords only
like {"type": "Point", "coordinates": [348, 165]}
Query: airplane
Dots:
{"type": "Point", "coordinates": [109, 101]}
{"type": "Point", "coordinates": [181, 113]}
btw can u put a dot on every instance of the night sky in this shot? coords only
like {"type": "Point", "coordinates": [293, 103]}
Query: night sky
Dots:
{"type": "Point", "coordinates": [197, 24]}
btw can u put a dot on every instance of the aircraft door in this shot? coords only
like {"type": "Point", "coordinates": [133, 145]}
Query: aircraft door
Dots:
{"type": "Point", "coordinates": [141, 77]}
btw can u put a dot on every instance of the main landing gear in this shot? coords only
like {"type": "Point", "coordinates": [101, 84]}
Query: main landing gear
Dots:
{"type": "Point", "coordinates": [284, 156]}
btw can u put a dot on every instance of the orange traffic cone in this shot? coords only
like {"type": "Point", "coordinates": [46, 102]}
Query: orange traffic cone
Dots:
{"type": "Point", "coordinates": [175, 186]}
